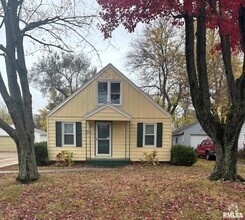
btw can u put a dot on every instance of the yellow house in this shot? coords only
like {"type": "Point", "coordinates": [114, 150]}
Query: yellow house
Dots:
{"type": "Point", "coordinates": [109, 118]}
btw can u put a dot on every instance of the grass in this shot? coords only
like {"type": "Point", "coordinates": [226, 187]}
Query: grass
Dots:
{"type": "Point", "coordinates": [132, 192]}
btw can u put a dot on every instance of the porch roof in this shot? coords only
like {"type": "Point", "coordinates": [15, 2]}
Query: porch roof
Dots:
{"type": "Point", "coordinates": [107, 112]}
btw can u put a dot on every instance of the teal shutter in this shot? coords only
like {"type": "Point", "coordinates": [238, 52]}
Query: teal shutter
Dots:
{"type": "Point", "coordinates": [159, 134]}
{"type": "Point", "coordinates": [58, 132]}
{"type": "Point", "coordinates": [78, 134]}
{"type": "Point", "coordinates": [140, 135]}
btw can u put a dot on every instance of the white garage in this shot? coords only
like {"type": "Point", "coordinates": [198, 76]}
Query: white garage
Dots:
{"type": "Point", "coordinates": [197, 139]}
{"type": "Point", "coordinates": [189, 135]}
{"type": "Point", "coordinates": [8, 145]}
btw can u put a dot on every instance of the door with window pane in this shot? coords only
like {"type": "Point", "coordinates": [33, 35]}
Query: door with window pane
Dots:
{"type": "Point", "coordinates": [103, 139]}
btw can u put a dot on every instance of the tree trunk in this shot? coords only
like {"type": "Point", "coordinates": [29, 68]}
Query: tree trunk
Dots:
{"type": "Point", "coordinates": [226, 162]}
{"type": "Point", "coordinates": [226, 135]}
{"type": "Point", "coordinates": [27, 163]}
{"type": "Point", "coordinates": [17, 97]}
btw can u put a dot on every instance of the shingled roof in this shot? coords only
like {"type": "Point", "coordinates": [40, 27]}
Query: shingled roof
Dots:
{"type": "Point", "coordinates": [183, 128]}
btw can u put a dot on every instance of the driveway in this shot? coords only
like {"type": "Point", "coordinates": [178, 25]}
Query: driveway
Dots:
{"type": "Point", "coordinates": [8, 158]}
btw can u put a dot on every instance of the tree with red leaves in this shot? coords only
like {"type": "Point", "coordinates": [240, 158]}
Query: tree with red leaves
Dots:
{"type": "Point", "coordinates": [228, 17]}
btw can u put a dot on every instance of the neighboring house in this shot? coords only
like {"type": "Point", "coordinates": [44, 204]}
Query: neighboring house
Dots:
{"type": "Point", "coordinates": [241, 139]}
{"type": "Point", "coordinates": [7, 143]}
{"type": "Point", "coordinates": [40, 135]}
{"type": "Point", "coordinates": [193, 134]}
{"type": "Point", "coordinates": [189, 135]}
{"type": "Point", "coordinates": [109, 118]}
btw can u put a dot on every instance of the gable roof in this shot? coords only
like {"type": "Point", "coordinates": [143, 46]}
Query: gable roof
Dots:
{"type": "Point", "coordinates": [106, 109]}
{"type": "Point", "coordinates": [99, 74]}
{"type": "Point", "coordinates": [183, 128]}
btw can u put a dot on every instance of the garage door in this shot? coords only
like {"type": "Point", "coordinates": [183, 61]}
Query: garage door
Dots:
{"type": "Point", "coordinates": [197, 139]}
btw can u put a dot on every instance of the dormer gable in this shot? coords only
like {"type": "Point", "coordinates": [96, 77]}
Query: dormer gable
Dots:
{"type": "Point", "coordinates": [108, 86]}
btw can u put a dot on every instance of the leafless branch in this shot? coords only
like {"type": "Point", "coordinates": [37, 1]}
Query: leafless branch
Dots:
{"type": "Point", "coordinates": [34, 11]}
{"type": "Point", "coordinates": [54, 35]}
{"type": "Point", "coordinates": [76, 32]}
{"type": "Point", "coordinates": [47, 44]}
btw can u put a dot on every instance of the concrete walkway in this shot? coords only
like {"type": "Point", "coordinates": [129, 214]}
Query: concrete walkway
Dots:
{"type": "Point", "coordinates": [8, 159]}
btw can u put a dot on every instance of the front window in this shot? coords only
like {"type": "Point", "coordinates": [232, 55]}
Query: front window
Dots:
{"type": "Point", "coordinates": [69, 134]}
{"type": "Point", "coordinates": [109, 92]}
{"type": "Point", "coordinates": [150, 135]}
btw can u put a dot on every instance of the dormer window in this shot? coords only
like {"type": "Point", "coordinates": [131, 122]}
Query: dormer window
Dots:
{"type": "Point", "coordinates": [109, 92]}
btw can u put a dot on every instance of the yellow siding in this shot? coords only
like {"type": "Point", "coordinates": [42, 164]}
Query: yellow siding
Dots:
{"type": "Point", "coordinates": [7, 144]}
{"type": "Point", "coordinates": [118, 141]}
{"type": "Point", "coordinates": [107, 114]}
{"type": "Point", "coordinates": [133, 102]}
{"type": "Point", "coordinates": [136, 153]}
{"type": "Point", "coordinates": [121, 141]}
{"type": "Point", "coordinates": [78, 152]}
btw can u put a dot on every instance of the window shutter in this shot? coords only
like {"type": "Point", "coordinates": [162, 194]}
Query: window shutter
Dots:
{"type": "Point", "coordinates": [58, 129]}
{"type": "Point", "coordinates": [159, 134]}
{"type": "Point", "coordinates": [78, 134]}
{"type": "Point", "coordinates": [140, 135]}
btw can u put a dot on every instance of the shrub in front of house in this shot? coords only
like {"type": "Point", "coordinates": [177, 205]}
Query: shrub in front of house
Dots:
{"type": "Point", "coordinates": [183, 156]}
{"type": "Point", "coordinates": [150, 158]}
{"type": "Point", "coordinates": [64, 158]}
{"type": "Point", "coordinates": [41, 153]}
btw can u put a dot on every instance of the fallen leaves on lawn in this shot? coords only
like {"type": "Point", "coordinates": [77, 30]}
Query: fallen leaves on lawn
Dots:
{"type": "Point", "coordinates": [132, 192]}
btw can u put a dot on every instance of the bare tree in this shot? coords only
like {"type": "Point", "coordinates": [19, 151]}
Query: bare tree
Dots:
{"type": "Point", "coordinates": [158, 55]}
{"type": "Point", "coordinates": [46, 23]}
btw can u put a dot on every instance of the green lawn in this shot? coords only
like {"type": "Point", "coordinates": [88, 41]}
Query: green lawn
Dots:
{"type": "Point", "coordinates": [132, 192]}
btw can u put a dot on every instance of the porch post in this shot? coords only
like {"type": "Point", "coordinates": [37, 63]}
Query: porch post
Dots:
{"type": "Point", "coordinates": [125, 125]}
{"type": "Point", "coordinates": [86, 136]}
{"type": "Point", "coordinates": [129, 140]}
{"type": "Point", "coordinates": [90, 131]}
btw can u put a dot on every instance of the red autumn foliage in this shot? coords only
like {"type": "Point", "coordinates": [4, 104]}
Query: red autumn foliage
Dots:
{"type": "Point", "coordinates": [222, 14]}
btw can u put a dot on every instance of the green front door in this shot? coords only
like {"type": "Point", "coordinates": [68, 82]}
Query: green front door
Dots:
{"type": "Point", "coordinates": [103, 139]}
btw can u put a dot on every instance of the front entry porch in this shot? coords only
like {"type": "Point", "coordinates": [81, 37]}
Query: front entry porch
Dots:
{"type": "Point", "coordinates": [107, 136]}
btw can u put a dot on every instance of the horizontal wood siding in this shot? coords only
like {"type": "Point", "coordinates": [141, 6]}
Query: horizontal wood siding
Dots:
{"type": "Point", "coordinates": [133, 102]}
{"type": "Point", "coordinates": [7, 144]}
{"type": "Point", "coordinates": [163, 152]}
{"type": "Point", "coordinates": [78, 152]}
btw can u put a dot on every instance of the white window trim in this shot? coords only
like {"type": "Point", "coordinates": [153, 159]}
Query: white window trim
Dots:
{"type": "Point", "coordinates": [74, 134]}
{"type": "Point", "coordinates": [155, 134]}
{"type": "Point", "coordinates": [109, 92]}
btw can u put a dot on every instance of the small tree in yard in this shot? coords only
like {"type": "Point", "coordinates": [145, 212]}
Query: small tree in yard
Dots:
{"type": "Point", "coordinates": [228, 17]}
{"type": "Point", "coordinates": [24, 19]}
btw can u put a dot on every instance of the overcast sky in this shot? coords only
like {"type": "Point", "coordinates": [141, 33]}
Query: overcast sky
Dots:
{"type": "Point", "coordinates": [110, 51]}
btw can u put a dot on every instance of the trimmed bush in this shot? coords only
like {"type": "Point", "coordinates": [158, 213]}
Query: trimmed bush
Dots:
{"type": "Point", "coordinates": [183, 156]}
{"type": "Point", "coordinates": [41, 153]}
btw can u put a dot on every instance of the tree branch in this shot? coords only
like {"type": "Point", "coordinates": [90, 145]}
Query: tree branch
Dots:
{"type": "Point", "coordinates": [8, 129]}
{"type": "Point", "coordinates": [47, 44]}
{"type": "Point", "coordinates": [201, 58]}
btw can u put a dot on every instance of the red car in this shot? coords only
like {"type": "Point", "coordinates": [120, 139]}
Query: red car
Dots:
{"type": "Point", "coordinates": [206, 149]}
